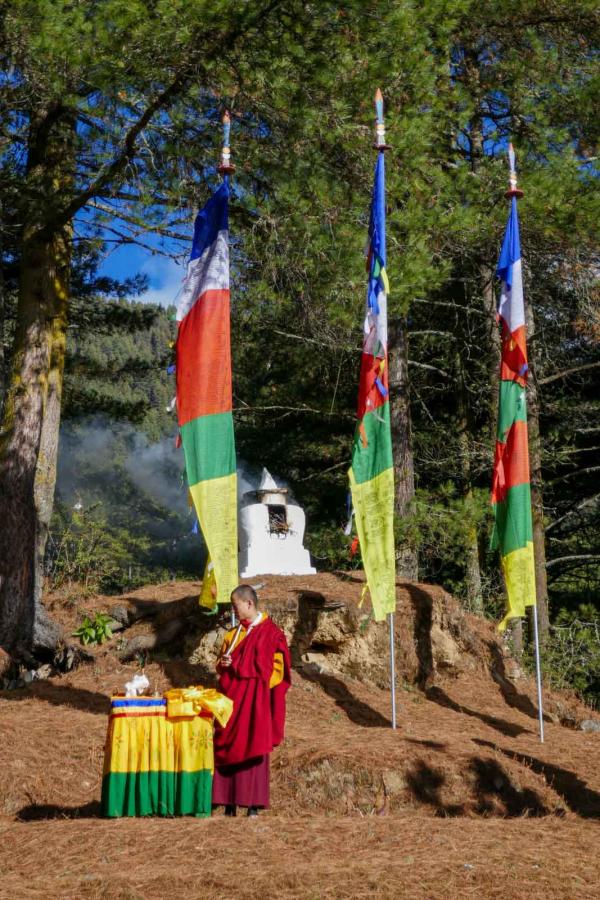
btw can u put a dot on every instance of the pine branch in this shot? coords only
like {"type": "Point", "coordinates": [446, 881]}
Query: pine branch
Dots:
{"type": "Point", "coordinates": [433, 331]}
{"type": "Point", "coordinates": [161, 101]}
{"type": "Point", "coordinates": [560, 559]}
{"type": "Point", "coordinates": [468, 309]}
{"type": "Point", "coordinates": [585, 471]}
{"type": "Point", "coordinates": [572, 511]}
{"type": "Point", "coordinates": [421, 365]}
{"type": "Point", "coordinates": [131, 220]}
{"type": "Point", "coordinates": [566, 372]}
{"type": "Point", "coordinates": [324, 471]}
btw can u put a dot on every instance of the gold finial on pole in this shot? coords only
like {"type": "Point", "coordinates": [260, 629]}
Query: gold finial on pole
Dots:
{"type": "Point", "coordinates": [513, 190]}
{"type": "Point", "coordinates": [380, 143]}
{"type": "Point", "coordinates": [226, 167]}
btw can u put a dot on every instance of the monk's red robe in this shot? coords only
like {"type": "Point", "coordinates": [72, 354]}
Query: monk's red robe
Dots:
{"type": "Point", "coordinates": [257, 723]}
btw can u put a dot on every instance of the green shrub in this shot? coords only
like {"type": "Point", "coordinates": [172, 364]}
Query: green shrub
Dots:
{"type": "Point", "coordinates": [94, 631]}
{"type": "Point", "coordinates": [571, 655]}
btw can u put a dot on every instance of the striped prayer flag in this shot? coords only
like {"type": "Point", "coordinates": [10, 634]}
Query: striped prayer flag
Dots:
{"type": "Point", "coordinates": [372, 474]}
{"type": "Point", "coordinates": [511, 492]}
{"type": "Point", "coordinates": [203, 358]}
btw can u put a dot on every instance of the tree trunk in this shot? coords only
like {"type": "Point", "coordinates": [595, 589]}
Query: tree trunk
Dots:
{"type": "Point", "coordinates": [516, 634]}
{"type": "Point", "coordinates": [404, 472]}
{"type": "Point", "coordinates": [472, 568]}
{"type": "Point", "coordinates": [537, 502]}
{"type": "Point", "coordinates": [495, 344]}
{"type": "Point", "coordinates": [2, 339]}
{"type": "Point", "coordinates": [29, 437]}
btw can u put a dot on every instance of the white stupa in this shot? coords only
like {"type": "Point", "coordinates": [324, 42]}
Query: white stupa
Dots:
{"type": "Point", "coordinates": [271, 532]}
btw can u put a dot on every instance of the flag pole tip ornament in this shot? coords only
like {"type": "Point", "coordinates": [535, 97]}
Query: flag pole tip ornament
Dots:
{"type": "Point", "coordinates": [226, 167]}
{"type": "Point", "coordinates": [513, 190]}
{"type": "Point", "coordinates": [379, 143]}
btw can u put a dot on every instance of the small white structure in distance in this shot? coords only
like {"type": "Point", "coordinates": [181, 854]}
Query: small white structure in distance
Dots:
{"type": "Point", "coordinates": [271, 532]}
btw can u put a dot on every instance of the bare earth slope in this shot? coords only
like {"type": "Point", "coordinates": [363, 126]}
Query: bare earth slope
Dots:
{"type": "Point", "coordinates": [462, 800]}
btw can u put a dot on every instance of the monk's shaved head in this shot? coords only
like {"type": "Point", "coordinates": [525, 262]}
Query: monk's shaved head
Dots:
{"type": "Point", "coordinates": [246, 593]}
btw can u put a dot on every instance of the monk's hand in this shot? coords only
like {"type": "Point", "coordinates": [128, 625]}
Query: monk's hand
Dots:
{"type": "Point", "coordinates": [225, 662]}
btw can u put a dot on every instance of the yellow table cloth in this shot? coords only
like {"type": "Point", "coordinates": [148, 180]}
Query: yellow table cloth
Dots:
{"type": "Point", "coordinates": [159, 753]}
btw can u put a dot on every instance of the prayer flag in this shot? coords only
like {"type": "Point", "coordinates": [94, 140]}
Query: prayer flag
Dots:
{"type": "Point", "coordinates": [372, 474]}
{"type": "Point", "coordinates": [203, 359]}
{"type": "Point", "coordinates": [511, 492]}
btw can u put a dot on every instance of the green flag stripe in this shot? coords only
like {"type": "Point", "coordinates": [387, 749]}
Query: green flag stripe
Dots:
{"type": "Point", "coordinates": [376, 457]}
{"type": "Point", "coordinates": [209, 447]}
{"type": "Point", "coordinates": [512, 407]}
{"type": "Point", "coordinates": [512, 529]}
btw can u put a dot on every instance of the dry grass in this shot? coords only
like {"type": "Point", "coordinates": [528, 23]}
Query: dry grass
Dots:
{"type": "Point", "coordinates": [461, 801]}
{"type": "Point", "coordinates": [337, 858]}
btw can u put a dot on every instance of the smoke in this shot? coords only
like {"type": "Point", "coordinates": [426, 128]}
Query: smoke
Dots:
{"type": "Point", "coordinates": [112, 475]}
{"type": "Point", "coordinates": [114, 471]}
{"type": "Point", "coordinates": [158, 470]}
{"type": "Point", "coordinates": [249, 478]}
{"type": "Point", "coordinates": [93, 455]}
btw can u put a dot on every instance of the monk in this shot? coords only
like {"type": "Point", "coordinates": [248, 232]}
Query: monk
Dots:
{"type": "Point", "coordinates": [254, 672]}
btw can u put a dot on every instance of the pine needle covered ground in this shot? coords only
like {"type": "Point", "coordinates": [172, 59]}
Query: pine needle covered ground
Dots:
{"type": "Point", "coordinates": [461, 801]}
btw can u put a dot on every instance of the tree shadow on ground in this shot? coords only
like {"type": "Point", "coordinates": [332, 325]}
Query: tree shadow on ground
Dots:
{"type": "Point", "coordinates": [353, 578]}
{"type": "Point", "coordinates": [62, 695]}
{"type": "Point", "coordinates": [357, 711]}
{"type": "Point", "coordinates": [422, 605]}
{"type": "Point", "coordinates": [495, 794]}
{"type": "Point", "coordinates": [37, 812]}
{"type": "Point", "coordinates": [309, 607]}
{"type": "Point", "coordinates": [580, 799]}
{"type": "Point", "coordinates": [171, 623]}
{"type": "Point", "coordinates": [510, 729]}
{"type": "Point", "coordinates": [180, 673]}
{"type": "Point", "coordinates": [425, 783]}
{"type": "Point", "coordinates": [431, 745]}
{"type": "Point", "coordinates": [491, 791]}
{"type": "Point", "coordinates": [509, 692]}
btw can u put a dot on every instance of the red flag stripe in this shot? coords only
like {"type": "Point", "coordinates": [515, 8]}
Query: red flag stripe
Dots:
{"type": "Point", "coordinates": [204, 358]}
{"type": "Point", "coordinates": [369, 395]}
{"type": "Point", "coordinates": [511, 465]}
{"type": "Point", "coordinates": [514, 355]}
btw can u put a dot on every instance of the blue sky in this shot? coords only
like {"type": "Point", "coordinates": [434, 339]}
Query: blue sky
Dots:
{"type": "Point", "coordinates": [164, 273]}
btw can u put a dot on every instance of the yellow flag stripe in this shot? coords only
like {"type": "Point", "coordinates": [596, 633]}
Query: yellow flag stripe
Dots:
{"type": "Point", "coordinates": [215, 501]}
{"type": "Point", "coordinates": [374, 517]}
{"type": "Point", "coordinates": [519, 576]}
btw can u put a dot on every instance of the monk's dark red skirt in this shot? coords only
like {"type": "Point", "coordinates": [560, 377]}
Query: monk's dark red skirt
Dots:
{"type": "Point", "coordinates": [242, 784]}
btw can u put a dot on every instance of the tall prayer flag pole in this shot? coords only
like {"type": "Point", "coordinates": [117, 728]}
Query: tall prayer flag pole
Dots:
{"type": "Point", "coordinates": [204, 400]}
{"type": "Point", "coordinates": [372, 474]}
{"type": "Point", "coordinates": [511, 492]}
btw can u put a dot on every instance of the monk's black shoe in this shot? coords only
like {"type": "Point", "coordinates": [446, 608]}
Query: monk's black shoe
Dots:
{"type": "Point", "coordinates": [230, 811]}
{"type": "Point", "coordinates": [252, 811]}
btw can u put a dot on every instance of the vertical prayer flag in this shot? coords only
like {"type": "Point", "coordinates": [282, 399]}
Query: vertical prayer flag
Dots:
{"type": "Point", "coordinates": [204, 401]}
{"type": "Point", "coordinates": [511, 492]}
{"type": "Point", "coordinates": [372, 474]}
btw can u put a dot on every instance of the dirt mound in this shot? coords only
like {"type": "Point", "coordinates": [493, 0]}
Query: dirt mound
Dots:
{"type": "Point", "coordinates": [330, 631]}
{"type": "Point", "coordinates": [357, 807]}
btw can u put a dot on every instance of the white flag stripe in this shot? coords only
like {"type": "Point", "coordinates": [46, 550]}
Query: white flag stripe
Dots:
{"type": "Point", "coordinates": [209, 272]}
{"type": "Point", "coordinates": [375, 328]}
{"type": "Point", "coordinates": [511, 306]}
